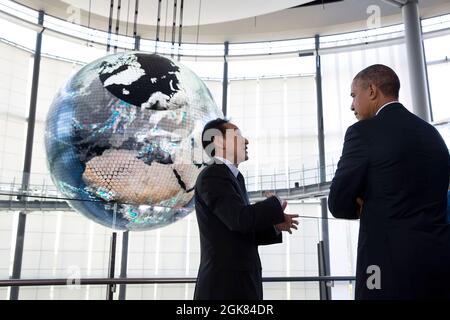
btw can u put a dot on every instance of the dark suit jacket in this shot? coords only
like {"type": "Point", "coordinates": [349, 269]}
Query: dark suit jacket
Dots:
{"type": "Point", "coordinates": [448, 205]}
{"type": "Point", "coordinates": [230, 231]}
{"type": "Point", "coordinates": [399, 165]}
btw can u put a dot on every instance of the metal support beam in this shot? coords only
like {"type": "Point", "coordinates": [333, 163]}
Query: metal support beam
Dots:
{"type": "Point", "coordinates": [174, 26]}
{"type": "Point", "coordinates": [225, 80]}
{"type": "Point", "coordinates": [325, 235]}
{"type": "Point", "coordinates": [158, 21]}
{"type": "Point", "coordinates": [322, 164]}
{"type": "Point", "coordinates": [111, 288]}
{"type": "Point", "coordinates": [119, 5]}
{"type": "Point", "coordinates": [416, 60]}
{"type": "Point", "coordinates": [137, 43]}
{"type": "Point", "coordinates": [110, 22]}
{"type": "Point", "coordinates": [325, 292]}
{"type": "Point", "coordinates": [427, 79]}
{"type": "Point", "coordinates": [112, 257]}
{"type": "Point", "coordinates": [320, 130]}
{"type": "Point", "coordinates": [180, 29]}
{"type": "Point", "coordinates": [123, 265]}
{"type": "Point", "coordinates": [20, 238]}
{"type": "Point", "coordinates": [136, 12]}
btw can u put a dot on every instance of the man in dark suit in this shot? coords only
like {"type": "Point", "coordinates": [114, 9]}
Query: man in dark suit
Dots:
{"type": "Point", "coordinates": [394, 174]}
{"type": "Point", "coordinates": [230, 227]}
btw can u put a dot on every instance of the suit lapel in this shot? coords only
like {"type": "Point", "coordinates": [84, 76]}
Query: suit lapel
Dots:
{"type": "Point", "coordinates": [242, 193]}
{"type": "Point", "coordinates": [243, 188]}
{"type": "Point", "coordinates": [237, 185]}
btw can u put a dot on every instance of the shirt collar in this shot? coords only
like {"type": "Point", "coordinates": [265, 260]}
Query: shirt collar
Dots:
{"type": "Point", "coordinates": [384, 105]}
{"type": "Point", "coordinates": [230, 165]}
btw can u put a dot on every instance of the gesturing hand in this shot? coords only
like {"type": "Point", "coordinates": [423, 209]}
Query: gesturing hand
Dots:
{"type": "Point", "coordinates": [289, 221]}
{"type": "Point", "coordinates": [288, 224]}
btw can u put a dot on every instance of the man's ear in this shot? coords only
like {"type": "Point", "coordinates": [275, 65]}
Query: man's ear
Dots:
{"type": "Point", "coordinates": [373, 92]}
{"type": "Point", "coordinates": [218, 142]}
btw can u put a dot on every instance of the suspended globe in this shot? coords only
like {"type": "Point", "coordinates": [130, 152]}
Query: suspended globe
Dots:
{"type": "Point", "coordinates": [123, 140]}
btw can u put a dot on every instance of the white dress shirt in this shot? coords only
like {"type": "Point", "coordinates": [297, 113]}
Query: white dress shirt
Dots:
{"type": "Point", "coordinates": [230, 165]}
{"type": "Point", "coordinates": [384, 105]}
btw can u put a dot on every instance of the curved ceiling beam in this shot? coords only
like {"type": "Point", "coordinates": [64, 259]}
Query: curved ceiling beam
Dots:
{"type": "Point", "coordinates": [212, 11]}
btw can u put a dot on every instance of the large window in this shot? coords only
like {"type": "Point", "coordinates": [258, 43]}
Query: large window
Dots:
{"type": "Point", "coordinates": [53, 75]}
{"type": "Point", "coordinates": [338, 71]}
{"type": "Point", "coordinates": [275, 107]}
{"type": "Point", "coordinates": [15, 72]}
{"type": "Point", "coordinates": [437, 53]}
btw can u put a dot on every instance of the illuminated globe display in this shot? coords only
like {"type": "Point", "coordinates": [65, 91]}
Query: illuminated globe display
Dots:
{"type": "Point", "coordinates": [123, 140]}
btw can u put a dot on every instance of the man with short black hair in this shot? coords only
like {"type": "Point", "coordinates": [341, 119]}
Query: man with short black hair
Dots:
{"type": "Point", "coordinates": [394, 174]}
{"type": "Point", "coordinates": [230, 227]}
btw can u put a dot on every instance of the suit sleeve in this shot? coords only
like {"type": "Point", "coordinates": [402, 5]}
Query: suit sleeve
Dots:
{"type": "Point", "coordinates": [224, 201]}
{"type": "Point", "coordinates": [350, 176]}
{"type": "Point", "coordinates": [268, 236]}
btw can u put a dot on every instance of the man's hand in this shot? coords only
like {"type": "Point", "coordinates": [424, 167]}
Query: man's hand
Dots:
{"type": "Point", "coordinates": [269, 194]}
{"type": "Point", "coordinates": [289, 221]}
{"type": "Point", "coordinates": [360, 203]}
{"type": "Point", "coordinates": [288, 224]}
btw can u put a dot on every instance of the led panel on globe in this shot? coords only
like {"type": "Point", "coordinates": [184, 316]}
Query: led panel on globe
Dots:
{"type": "Point", "coordinates": [123, 139]}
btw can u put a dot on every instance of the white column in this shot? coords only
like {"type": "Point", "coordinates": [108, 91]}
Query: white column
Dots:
{"type": "Point", "coordinates": [416, 60]}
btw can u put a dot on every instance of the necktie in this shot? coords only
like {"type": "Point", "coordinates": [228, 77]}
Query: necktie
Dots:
{"type": "Point", "coordinates": [240, 179]}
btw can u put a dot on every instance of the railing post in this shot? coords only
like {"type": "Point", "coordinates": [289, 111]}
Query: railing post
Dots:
{"type": "Point", "coordinates": [225, 79]}
{"type": "Point", "coordinates": [303, 175]}
{"type": "Point", "coordinates": [274, 180]}
{"type": "Point", "coordinates": [289, 181]}
{"type": "Point", "coordinates": [318, 177]}
{"type": "Point", "coordinates": [124, 263]}
{"type": "Point", "coordinates": [325, 291]}
{"type": "Point", "coordinates": [332, 168]}
{"type": "Point", "coordinates": [111, 288]}
{"type": "Point", "coordinates": [322, 162]}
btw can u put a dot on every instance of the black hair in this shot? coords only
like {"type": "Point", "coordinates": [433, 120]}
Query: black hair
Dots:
{"type": "Point", "coordinates": [217, 124]}
{"type": "Point", "coordinates": [383, 77]}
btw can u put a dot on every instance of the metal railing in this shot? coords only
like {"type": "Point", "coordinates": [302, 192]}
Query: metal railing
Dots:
{"type": "Point", "coordinates": [291, 178]}
{"type": "Point", "coordinates": [325, 281]}
{"type": "Point", "coordinates": [182, 280]}
{"type": "Point", "coordinates": [292, 184]}
{"type": "Point", "coordinates": [325, 284]}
